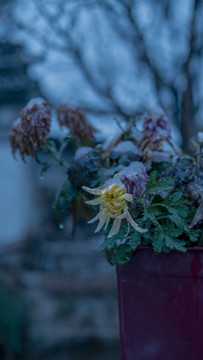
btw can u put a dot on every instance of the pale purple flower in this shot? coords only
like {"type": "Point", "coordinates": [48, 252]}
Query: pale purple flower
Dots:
{"type": "Point", "coordinates": [155, 132]}
{"type": "Point", "coordinates": [157, 126]}
{"type": "Point", "coordinates": [135, 178]}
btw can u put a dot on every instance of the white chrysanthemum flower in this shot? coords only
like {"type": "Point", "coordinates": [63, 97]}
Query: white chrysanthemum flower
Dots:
{"type": "Point", "coordinates": [112, 198]}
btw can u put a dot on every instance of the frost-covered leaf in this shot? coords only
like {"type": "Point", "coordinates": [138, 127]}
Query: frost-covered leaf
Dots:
{"type": "Point", "coordinates": [183, 171]}
{"type": "Point", "coordinates": [135, 240]}
{"type": "Point", "coordinates": [193, 234]}
{"type": "Point", "coordinates": [173, 243]}
{"type": "Point", "coordinates": [151, 213]}
{"type": "Point", "coordinates": [155, 186]}
{"type": "Point", "coordinates": [121, 255]}
{"type": "Point", "coordinates": [166, 238]}
{"type": "Point", "coordinates": [110, 243]}
{"type": "Point", "coordinates": [83, 170]}
{"type": "Point", "coordinates": [177, 208]}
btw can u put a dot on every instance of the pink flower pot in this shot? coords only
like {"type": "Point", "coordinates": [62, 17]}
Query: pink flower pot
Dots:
{"type": "Point", "coordinates": [161, 305]}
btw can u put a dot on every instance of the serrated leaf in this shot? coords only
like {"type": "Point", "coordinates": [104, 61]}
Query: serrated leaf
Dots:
{"type": "Point", "coordinates": [110, 243]}
{"type": "Point", "coordinates": [135, 240]}
{"type": "Point", "coordinates": [178, 213]}
{"type": "Point", "coordinates": [166, 237]}
{"type": "Point", "coordinates": [158, 242]}
{"type": "Point", "coordinates": [121, 255]}
{"type": "Point", "coordinates": [154, 186]}
{"type": "Point", "coordinates": [193, 234]}
{"type": "Point", "coordinates": [173, 243]}
{"type": "Point", "coordinates": [172, 230]}
{"type": "Point", "coordinates": [176, 207]}
{"type": "Point", "coordinates": [151, 213]}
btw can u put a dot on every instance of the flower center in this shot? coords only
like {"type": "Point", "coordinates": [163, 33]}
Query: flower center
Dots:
{"type": "Point", "coordinates": [113, 200]}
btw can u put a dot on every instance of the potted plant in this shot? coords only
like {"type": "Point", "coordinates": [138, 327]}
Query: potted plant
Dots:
{"type": "Point", "coordinates": [149, 201]}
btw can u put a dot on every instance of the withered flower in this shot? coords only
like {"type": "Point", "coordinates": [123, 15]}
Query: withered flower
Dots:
{"type": "Point", "coordinates": [32, 129]}
{"type": "Point", "coordinates": [135, 178]}
{"type": "Point", "coordinates": [156, 131]}
{"type": "Point", "coordinates": [75, 120]}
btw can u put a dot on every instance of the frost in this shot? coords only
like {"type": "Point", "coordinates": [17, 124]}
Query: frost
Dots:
{"type": "Point", "coordinates": [133, 169]}
{"type": "Point", "coordinates": [134, 177]}
{"type": "Point", "coordinates": [110, 172]}
{"type": "Point", "coordinates": [127, 146]}
{"type": "Point", "coordinates": [159, 157]}
{"type": "Point", "coordinates": [38, 101]}
{"type": "Point", "coordinates": [113, 181]}
{"type": "Point", "coordinates": [84, 150]}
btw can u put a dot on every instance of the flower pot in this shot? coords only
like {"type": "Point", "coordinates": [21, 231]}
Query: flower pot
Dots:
{"type": "Point", "coordinates": [161, 305]}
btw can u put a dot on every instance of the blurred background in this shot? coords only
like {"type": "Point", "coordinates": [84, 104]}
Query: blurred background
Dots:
{"type": "Point", "coordinates": [115, 59]}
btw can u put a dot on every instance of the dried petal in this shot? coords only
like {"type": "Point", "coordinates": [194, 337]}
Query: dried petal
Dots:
{"type": "Point", "coordinates": [32, 128]}
{"type": "Point", "coordinates": [75, 120]}
{"type": "Point", "coordinates": [156, 131]}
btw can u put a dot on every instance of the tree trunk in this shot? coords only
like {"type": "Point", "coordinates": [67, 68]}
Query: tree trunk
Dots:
{"type": "Point", "coordinates": [187, 116]}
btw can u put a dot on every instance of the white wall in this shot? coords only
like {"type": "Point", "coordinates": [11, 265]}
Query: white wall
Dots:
{"type": "Point", "coordinates": [16, 205]}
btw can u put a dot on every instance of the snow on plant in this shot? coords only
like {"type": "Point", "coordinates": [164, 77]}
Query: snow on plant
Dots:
{"type": "Point", "coordinates": [148, 193]}
{"type": "Point", "coordinates": [135, 178]}
{"type": "Point", "coordinates": [112, 198]}
{"type": "Point", "coordinates": [31, 129]}
{"type": "Point", "coordinates": [156, 136]}
{"type": "Point", "coordinates": [75, 120]}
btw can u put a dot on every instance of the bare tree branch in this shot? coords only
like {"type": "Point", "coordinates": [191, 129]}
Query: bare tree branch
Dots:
{"type": "Point", "coordinates": [187, 105]}
{"type": "Point", "coordinates": [121, 16]}
{"type": "Point", "coordinates": [75, 51]}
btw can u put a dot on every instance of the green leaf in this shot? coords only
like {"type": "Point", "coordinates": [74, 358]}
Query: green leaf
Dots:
{"type": "Point", "coordinates": [172, 230]}
{"type": "Point", "coordinates": [45, 168]}
{"type": "Point", "coordinates": [166, 238]}
{"type": "Point", "coordinates": [173, 243]}
{"type": "Point", "coordinates": [193, 234]}
{"type": "Point", "coordinates": [151, 213]}
{"type": "Point", "coordinates": [121, 255]}
{"type": "Point", "coordinates": [177, 208]}
{"type": "Point", "coordinates": [153, 185]}
{"type": "Point", "coordinates": [66, 195]}
{"type": "Point", "coordinates": [135, 240]}
{"type": "Point", "coordinates": [50, 145]}
{"type": "Point", "coordinates": [110, 243]}
{"type": "Point", "coordinates": [158, 244]}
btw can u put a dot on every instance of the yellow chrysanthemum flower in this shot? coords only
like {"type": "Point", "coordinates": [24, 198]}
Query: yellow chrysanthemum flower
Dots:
{"type": "Point", "coordinates": [113, 200]}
